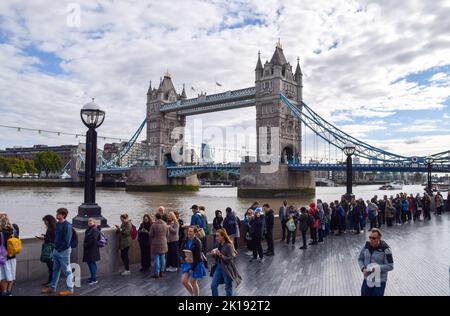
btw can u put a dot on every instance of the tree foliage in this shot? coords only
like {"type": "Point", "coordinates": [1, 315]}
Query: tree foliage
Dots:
{"type": "Point", "coordinates": [48, 161]}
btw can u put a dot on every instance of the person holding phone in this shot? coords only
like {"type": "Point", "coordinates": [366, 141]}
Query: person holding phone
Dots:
{"type": "Point", "coordinates": [48, 245]}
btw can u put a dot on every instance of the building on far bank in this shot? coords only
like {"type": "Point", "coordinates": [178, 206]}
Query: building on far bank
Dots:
{"type": "Point", "coordinates": [65, 152]}
{"type": "Point", "coordinates": [137, 152]}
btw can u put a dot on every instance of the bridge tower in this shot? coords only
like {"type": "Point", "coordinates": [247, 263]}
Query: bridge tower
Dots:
{"type": "Point", "coordinates": [278, 133]}
{"type": "Point", "coordinates": [160, 125]}
{"type": "Point", "coordinates": [273, 78]}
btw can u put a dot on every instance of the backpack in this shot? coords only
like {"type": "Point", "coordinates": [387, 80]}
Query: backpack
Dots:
{"type": "Point", "coordinates": [3, 251]}
{"type": "Point", "coordinates": [74, 240]}
{"type": "Point", "coordinates": [14, 246]}
{"type": "Point", "coordinates": [291, 225]}
{"type": "Point", "coordinates": [134, 232]}
{"type": "Point", "coordinates": [102, 240]}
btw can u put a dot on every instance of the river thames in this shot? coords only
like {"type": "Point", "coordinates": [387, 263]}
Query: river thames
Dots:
{"type": "Point", "coordinates": [27, 206]}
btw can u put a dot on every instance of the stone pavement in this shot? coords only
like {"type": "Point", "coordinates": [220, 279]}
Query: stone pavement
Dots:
{"type": "Point", "coordinates": [421, 253]}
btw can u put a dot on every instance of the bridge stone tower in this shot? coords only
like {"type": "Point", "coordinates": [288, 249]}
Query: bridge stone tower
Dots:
{"type": "Point", "coordinates": [160, 142]}
{"type": "Point", "coordinates": [160, 125]}
{"type": "Point", "coordinates": [274, 78]}
{"type": "Point", "coordinates": [278, 133]}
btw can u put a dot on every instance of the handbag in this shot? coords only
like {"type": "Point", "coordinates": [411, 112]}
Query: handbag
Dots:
{"type": "Point", "coordinates": [3, 251]}
{"type": "Point", "coordinates": [47, 252]}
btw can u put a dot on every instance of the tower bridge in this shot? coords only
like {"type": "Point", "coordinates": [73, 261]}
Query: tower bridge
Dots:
{"type": "Point", "coordinates": [281, 116]}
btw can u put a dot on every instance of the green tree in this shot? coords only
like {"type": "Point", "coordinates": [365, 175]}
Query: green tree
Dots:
{"type": "Point", "coordinates": [17, 167]}
{"type": "Point", "coordinates": [30, 167]}
{"type": "Point", "coordinates": [48, 161]}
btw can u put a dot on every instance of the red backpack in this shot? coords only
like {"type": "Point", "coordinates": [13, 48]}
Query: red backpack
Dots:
{"type": "Point", "coordinates": [134, 232]}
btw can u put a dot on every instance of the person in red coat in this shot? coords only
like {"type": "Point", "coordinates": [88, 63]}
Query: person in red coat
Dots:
{"type": "Point", "coordinates": [314, 225]}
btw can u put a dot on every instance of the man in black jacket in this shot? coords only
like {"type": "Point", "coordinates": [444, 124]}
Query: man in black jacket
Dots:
{"type": "Point", "coordinates": [269, 216]}
{"type": "Point", "coordinates": [257, 224]}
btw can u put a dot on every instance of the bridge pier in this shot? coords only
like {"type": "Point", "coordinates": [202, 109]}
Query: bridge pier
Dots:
{"type": "Point", "coordinates": [154, 179]}
{"type": "Point", "coordinates": [283, 183]}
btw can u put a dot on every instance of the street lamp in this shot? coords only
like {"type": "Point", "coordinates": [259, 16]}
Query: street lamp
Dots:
{"type": "Point", "coordinates": [93, 117]}
{"type": "Point", "coordinates": [349, 150]}
{"type": "Point", "coordinates": [429, 161]}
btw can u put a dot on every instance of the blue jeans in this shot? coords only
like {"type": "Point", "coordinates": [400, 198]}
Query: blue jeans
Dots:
{"type": "Point", "coordinates": [93, 269]}
{"type": "Point", "coordinates": [219, 274]}
{"type": "Point", "coordinates": [61, 262]}
{"type": "Point", "coordinates": [160, 263]}
{"type": "Point", "coordinates": [372, 291]}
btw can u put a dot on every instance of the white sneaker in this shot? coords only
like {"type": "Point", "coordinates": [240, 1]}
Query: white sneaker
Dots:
{"type": "Point", "coordinates": [171, 269]}
{"type": "Point", "coordinates": [126, 272]}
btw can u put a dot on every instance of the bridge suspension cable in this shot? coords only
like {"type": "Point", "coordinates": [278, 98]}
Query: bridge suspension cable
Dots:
{"type": "Point", "coordinates": [337, 137]}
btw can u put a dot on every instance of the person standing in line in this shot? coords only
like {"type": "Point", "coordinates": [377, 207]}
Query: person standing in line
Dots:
{"type": "Point", "coordinates": [238, 231]}
{"type": "Point", "coordinates": [91, 250]}
{"type": "Point", "coordinates": [390, 211]}
{"type": "Point", "coordinates": [48, 246]}
{"type": "Point", "coordinates": [439, 202]}
{"type": "Point", "coordinates": [217, 224]}
{"type": "Point", "coordinates": [8, 268]}
{"type": "Point", "coordinates": [322, 220]}
{"type": "Point", "coordinates": [61, 254]}
{"type": "Point", "coordinates": [375, 258]}
{"type": "Point", "coordinates": [124, 232]}
{"type": "Point", "coordinates": [327, 212]}
{"type": "Point", "coordinates": [357, 215]}
{"type": "Point", "coordinates": [410, 207]}
{"type": "Point", "coordinates": [283, 214]}
{"type": "Point", "coordinates": [198, 220]}
{"type": "Point", "coordinates": [314, 212]}
{"type": "Point", "coordinates": [224, 269]}
{"type": "Point", "coordinates": [257, 232]}
{"type": "Point", "coordinates": [158, 236]}
{"type": "Point", "coordinates": [230, 223]}
{"type": "Point", "coordinates": [270, 220]}
{"type": "Point", "coordinates": [303, 224]}
{"type": "Point", "coordinates": [181, 232]}
{"type": "Point", "coordinates": [172, 244]}
{"type": "Point", "coordinates": [341, 218]}
{"type": "Point", "coordinates": [144, 242]}
{"type": "Point", "coordinates": [291, 225]}
{"type": "Point", "coordinates": [373, 214]}
{"type": "Point", "coordinates": [418, 207]}
{"type": "Point", "coordinates": [193, 266]}
{"type": "Point", "coordinates": [426, 201]}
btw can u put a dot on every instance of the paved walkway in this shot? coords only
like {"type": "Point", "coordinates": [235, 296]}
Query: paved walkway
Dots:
{"type": "Point", "coordinates": [421, 267]}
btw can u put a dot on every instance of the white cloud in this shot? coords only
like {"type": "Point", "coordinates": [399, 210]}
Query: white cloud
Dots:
{"type": "Point", "coordinates": [120, 46]}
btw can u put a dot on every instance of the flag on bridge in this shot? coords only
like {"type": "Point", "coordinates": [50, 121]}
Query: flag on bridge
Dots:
{"type": "Point", "coordinates": [218, 84]}
{"type": "Point", "coordinates": [192, 88]}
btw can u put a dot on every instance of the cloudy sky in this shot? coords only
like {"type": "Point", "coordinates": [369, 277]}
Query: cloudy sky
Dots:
{"type": "Point", "coordinates": [379, 70]}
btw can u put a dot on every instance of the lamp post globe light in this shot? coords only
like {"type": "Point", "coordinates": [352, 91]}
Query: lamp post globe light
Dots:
{"type": "Point", "coordinates": [349, 150]}
{"type": "Point", "coordinates": [429, 161]}
{"type": "Point", "coordinates": [92, 116]}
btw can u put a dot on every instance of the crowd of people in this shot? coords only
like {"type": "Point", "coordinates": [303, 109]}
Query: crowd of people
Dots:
{"type": "Point", "coordinates": [172, 246]}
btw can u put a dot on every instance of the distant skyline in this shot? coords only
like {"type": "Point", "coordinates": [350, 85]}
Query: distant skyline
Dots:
{"type": "Point", "coordinates": [379, 70]}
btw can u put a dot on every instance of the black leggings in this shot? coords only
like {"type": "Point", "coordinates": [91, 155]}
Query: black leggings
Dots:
{"type": "Point", "coordinates": [50, 271]}
{"type": "Point", "coordinates": [125, 259]}
{"type": "Point", "coordinates": [172, 254]}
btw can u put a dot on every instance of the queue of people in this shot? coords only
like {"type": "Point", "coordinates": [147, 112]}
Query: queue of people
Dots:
{"type": "Point", "coordinates": [171, 246]}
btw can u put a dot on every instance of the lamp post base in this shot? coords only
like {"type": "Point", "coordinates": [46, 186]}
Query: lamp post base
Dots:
{"type": "Point", "coordinates": [86, 211]}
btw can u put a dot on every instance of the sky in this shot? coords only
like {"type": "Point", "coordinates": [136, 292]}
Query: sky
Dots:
{"type": "Point", "coordinates": [379, 70]}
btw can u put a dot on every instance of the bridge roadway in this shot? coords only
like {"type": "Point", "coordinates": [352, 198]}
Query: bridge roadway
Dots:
{"type": "Point", "coordinates": [421, 253]}
{"type": "Point", "coordinates": [179, 171]}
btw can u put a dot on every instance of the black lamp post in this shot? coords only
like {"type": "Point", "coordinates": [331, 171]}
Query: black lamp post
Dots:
{"type": "Point", "coordinates": [429, 161]}
{"type": "Point", "coordinates": [92, 116]}
{"type": "Point", "coordinates": [349, 150]}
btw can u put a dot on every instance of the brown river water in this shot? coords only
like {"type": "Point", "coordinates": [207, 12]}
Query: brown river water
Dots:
{"type": "Point", "coordinates": [27, 206]}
